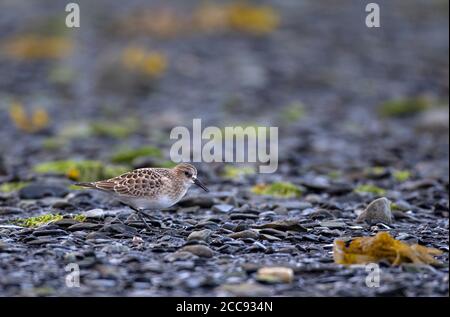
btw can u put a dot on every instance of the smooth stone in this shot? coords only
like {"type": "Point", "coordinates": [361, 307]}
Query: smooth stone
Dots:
{"type": "Point", "coordinates": [275, 275]}
{"type": "Point", "coordinates": [84, 226]}
{"type": "Point", "coordinates": [245, 290]}
{"type": "Point", "coordinates": [378, 211]}
{"type": "Point", "coordinates": [10, 210]}
{"type": "Point", "coordinates": [180, 256]}
{"type": "Point", "coordinates": [115, 248]}
{"type": "Point", "coordinates": [201, 201]}
{"type": "Point", "coordinates": [222, 208]}
{"type": "Point", "coordinates": [49, 232]}
{"type": "Point", "coordinates": [296, 205]}
{"type": "Point", "coordinates": [240, 216]}
{"type": "Point", "coordinates": [66, 222]}
{"type": "Point", "coordinates": [96, 235]}
{"type": "Point", "coordinates": [284, 225]}
{"type": "Point", "coordinates": [317, 183]}
{"type": "Point", "coordinates": [273, 232]}
{"type": "Point", "coordinates": [270, 237]}
{"type": "Point", "coordinates": [245, 234]}
{"type": "Point", "coordinates": [198, 250]}
{"type": "Point", "coordinates": [333, 224]}
{"type": "Point", "coordinates": [202, 235]}
{"type": "Point", "coordinates": [95, 213]}
{"type": "Point", "coordinates": [320, 214]}
{"type": "Point", "coordinates": [40, 241]}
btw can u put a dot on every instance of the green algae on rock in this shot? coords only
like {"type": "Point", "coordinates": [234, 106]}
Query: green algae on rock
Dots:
{"type": "Point", "coordinates": [371, 189]}
{"type": "Point", "coordinates": [126, 156]}
{"type": "Point", "coordinates": [278, 189]}
{"type": "Point", "coordinates": [41, 220]}
{"type": "Point", "coordinates": [233, 172]}
{"type": "Point", "coordinates": [403, 107]}
{"type": "Point", "coordinates": [401, 175]}
{"type": "Point", "coordinates": [12, 186]}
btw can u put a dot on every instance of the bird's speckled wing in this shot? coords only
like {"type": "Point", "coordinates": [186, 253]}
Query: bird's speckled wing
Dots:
{"type": "Point", "coordinates": [138, 183]}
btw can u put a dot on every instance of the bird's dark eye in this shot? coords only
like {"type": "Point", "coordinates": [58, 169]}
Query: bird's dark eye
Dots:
{"type": "Point", "coordinates": [187, 174]}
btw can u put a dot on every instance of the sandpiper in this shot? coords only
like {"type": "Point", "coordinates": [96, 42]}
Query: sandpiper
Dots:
{"type": "Point", "coordinates": [149, 188]}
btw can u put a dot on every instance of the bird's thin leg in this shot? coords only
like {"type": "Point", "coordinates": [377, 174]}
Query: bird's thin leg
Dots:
{"type": "Point", "coordinates": [117, 218]}
{"type": "Point", "coordinates": [139, 213]}
{"type": "Point", "coordinates": [143, 220]}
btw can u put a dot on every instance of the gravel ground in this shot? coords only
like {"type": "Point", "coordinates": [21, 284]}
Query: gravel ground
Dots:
{"type": "Point", "coordinates": [321, 77]}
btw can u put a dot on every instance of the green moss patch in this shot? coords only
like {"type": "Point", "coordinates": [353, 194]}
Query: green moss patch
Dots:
{"type": "Point", "coordinates": [401, 175]}
{"type": "Point", "coordinates": [370, 189]}
{"type": "Point", "coordinates": [293, 112]}
{"type": "Point", "coordinates": [403, 107]}
{"type": "Point", "coordinates": [118, 130]}
{"type": "Point", "coordinates": [233, 172]}
{"type": "Point", "coordinates": [278, 189]}
{"type": "Point", "coordinates": [126, 156]}
{"type": "Point", "coordinates": [38, 221]}
{"type": "Point", "coordinates": [12, 187]}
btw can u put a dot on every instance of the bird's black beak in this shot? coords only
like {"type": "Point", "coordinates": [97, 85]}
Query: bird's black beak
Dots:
{"type": "Point", "coordinates": [200, 184]}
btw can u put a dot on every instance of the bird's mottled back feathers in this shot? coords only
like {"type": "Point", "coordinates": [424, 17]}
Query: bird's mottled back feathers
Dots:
{"type": "Point", "coordinates": [140, 183]}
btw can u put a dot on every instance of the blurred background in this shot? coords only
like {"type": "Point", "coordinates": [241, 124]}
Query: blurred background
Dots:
{"type": "Point", "coordinates": [104, 97]}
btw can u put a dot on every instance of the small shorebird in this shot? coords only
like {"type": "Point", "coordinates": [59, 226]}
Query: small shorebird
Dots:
{"type": "Point", "coordinates": [149, 188]}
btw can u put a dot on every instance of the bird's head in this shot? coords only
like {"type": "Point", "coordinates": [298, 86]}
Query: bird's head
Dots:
{"type": "Point", "coordinates": [188, 173]}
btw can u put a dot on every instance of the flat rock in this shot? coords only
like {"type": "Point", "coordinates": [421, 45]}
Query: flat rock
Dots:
{"type": "Point", "coordinates": [10, 210]}
{"type": "Point", "coordinates": [84, 226]}
{"type": "Point", "coordinates": [202, 235]}
{"type": "Point", "coordinates": [284, 225]}
{"type": "Point", "coordinates": [245, 290]}
{"type": "Point", "coordinates": [198, 250]}
{"type": "Point", "coordinates": [222, 208]}
{"type": "Point", "coordinates": [201, 201]}
{"type": "Point", "coordinates": [333, 224]}
{"type": "Point", "coordinates": [65, 222]}
{"type": "Point", "coordinates": [245, 234]}
{"type": "Point", "coordinates": [243, 216]}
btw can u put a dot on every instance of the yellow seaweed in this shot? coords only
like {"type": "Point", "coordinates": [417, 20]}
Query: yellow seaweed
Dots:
{"type": "Point", "coordinates": [382, 246]}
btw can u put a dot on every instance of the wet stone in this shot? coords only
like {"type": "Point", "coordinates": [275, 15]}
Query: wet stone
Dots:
{"type": "Point", "coordinates": [290, 205]}
{"type": "Point", "coordinates": [199, 250]}
{"type": "Point", "coordinates": [222, 208]}
{"type": "Point", "coordinates": [241, 216]}
{"type": "Point", "coordinates": [40, 241]}
{"type": "Point", "coordinates": [49, 232]}
{"type": "Point", "coordinates": [333, 224]}
{"type": "Point", "coordinates": [10, 211]}
{"type": "Point", "coordinates": [95, 235]}
{"type": "Point", "coordinates": [84, 226]}
{"type": "Point", "coordinates": [253, 234]}
{"type": "Point", "coordinates": [245, 290]}
{"type": "Point", "coordinates": [203, 235]}
{"type": "Point", "coordinates": [66, 222]}
{"type": "Point", "coordinates": [201, 201]}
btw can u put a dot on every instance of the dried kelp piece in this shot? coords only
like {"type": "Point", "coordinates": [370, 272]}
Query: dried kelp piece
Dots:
{"type": "Point", "coordinates": [383, 246]}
